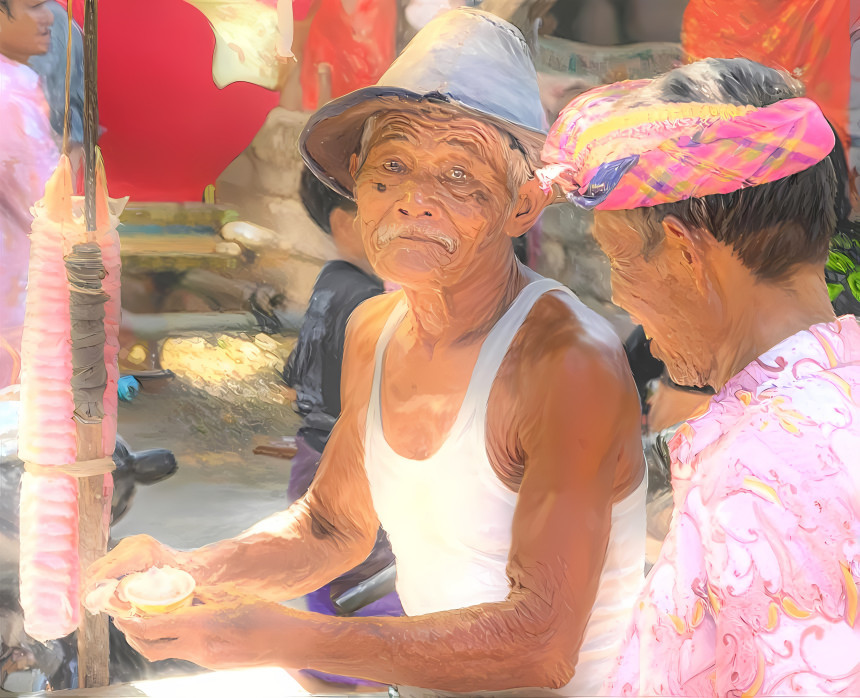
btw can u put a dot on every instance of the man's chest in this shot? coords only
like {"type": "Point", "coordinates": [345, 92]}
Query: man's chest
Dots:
{"type": "Point", "coordinates": [424, 398]}
{"type": "Point", "coordinates": [421, 394]}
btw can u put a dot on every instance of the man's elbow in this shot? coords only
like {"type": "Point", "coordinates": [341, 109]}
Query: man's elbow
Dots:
{"type": "Point", "coordinates": [552, 670]}
{"type": "Point", "coordinates": [551, 657]}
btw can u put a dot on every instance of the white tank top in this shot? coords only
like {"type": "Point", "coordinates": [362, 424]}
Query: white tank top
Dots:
{"type": "Point", "coordinates": [449, 517]}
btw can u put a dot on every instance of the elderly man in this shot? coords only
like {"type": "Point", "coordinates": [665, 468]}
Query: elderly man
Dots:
{"type": "Point", "coordinates": [489, 421]}
{"type": "Point", "coordinates": [715, 204]}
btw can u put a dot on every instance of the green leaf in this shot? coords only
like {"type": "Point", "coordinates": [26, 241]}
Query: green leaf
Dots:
{"type": "Point", "coordinates": [853, 282]}
{"type": "Point", "coordinates": [839, 262]}
{"type": "Point", "coordinates": [834, 290]}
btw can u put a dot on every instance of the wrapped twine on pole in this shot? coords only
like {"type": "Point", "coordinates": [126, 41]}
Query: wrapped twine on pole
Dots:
{"type": "Point", "coordinates": [85, 272]}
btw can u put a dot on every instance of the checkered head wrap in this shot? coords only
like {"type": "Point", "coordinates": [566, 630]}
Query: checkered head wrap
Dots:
{"type": "Point", "coordinates": [608, 153]}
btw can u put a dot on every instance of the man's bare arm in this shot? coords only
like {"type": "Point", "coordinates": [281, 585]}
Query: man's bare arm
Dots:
{"type": "Point", "coordinates": [324, 534]}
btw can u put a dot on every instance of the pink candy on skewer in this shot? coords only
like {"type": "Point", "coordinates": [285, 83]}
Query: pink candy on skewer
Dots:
{"type": "Point", "coordinates": [49, 561]}
{"type": "Point", "coordinates": [50, 574]}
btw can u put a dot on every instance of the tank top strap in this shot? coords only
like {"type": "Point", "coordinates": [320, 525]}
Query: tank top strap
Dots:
{"type": "Point", "coordinates": [395, 317]}
{"type": "Point", "coordinates": [497, 343]}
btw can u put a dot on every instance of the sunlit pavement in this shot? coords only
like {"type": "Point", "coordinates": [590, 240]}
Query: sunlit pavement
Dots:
{"type": "Point", "coordinates": [220, 487]}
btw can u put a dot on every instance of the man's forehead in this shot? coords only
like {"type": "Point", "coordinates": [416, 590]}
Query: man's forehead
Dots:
{"type": "Point", "coordinates": [453, 129]}
{"type": "Point", "coordinates": [615, 232]}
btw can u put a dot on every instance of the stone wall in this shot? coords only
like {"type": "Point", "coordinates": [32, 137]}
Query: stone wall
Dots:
{"type": "Point", "coordinates": [262, 184]}
{"type": "Point", "coordinates": [564, 249]}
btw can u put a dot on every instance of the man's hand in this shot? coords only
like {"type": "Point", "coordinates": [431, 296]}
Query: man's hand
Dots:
{"type": "Point", "coordinates": [134, 554]}
{"type": "Point", "coordinates": [224, 629]}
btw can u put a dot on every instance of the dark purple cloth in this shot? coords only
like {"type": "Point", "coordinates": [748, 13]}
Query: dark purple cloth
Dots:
{"type": "Point", "coordinates": [304, 467]}
{"type": "Point", "coordinates": [319, 601]}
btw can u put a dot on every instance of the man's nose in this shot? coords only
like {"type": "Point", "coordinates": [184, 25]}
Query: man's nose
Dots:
{"type": "Point", "coordinates": [416, 204]}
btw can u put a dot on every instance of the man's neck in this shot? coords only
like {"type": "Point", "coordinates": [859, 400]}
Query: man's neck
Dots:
{"type": "Point", "coordinates": [466, 310]}
{"type": "Point", "coordinates": [765, 314]}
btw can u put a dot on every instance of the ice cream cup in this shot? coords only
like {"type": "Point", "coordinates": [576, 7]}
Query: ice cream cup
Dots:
{"type": "Point", "coordinates": [159, 590]}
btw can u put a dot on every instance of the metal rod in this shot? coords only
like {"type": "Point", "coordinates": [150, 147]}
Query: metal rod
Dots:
{"type": "Point", "coordinates": [91, 109]}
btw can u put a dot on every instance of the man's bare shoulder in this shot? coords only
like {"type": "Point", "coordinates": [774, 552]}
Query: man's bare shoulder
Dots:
{"type": "Point", "coordinates": [565, 335]}
{"type": "Point", "coordinates": [572, 384]}
{"type": "Point", "coordinates": [368, 319]}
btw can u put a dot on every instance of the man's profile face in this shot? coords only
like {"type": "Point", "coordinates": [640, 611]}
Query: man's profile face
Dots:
{"type": "Point", "coordinates": [26, 31]}
{"type": "Point", "coordinates": [659, 294]}
{"type": "Point", "coordinates": [431, 194]}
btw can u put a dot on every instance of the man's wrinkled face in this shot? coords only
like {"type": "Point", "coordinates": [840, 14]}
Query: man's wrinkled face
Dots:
{"type": "Point", "coordinates": [26, 31]}
{"type": "Point", "coordinates": [431, 194]}
{"type": "Point", "coordinates": [660, 294]}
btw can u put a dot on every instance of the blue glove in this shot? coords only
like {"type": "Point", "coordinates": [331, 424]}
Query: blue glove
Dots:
{"type": "Point", "coordinates": [127, 388]}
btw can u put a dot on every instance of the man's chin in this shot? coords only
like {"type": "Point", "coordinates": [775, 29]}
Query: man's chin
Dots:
{"type": "Point", "coordinates": [681, 372]}
{"type": "Point", "coordinates": [686, 375]}
{"type": "Point", "coordinates": [409, 268]}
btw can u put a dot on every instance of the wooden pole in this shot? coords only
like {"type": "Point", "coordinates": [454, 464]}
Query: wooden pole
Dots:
{"type": "Point", "coordinates": [93, 649]}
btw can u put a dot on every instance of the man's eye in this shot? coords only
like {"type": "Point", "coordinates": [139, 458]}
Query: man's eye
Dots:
{"type": "Point", "coordinates": [458, 174]}
{"type": "Point", "coordinates": [393, 166]}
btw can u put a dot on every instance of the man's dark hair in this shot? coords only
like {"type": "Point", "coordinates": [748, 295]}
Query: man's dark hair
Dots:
{"type": "Point", "coordinates": [319, 201]}
{"type": "Point", "coordinates": [772, 226]}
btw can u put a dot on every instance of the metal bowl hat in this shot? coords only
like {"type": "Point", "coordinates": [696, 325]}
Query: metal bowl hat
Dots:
{"type": "Point", "coordinates": [467, 60]}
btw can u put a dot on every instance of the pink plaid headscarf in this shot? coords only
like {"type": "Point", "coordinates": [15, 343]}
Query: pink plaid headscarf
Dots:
{"type": "Point", "coordinates": [610, 156]}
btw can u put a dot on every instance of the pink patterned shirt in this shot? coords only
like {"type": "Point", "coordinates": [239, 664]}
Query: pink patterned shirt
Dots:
{"type": "Point", "coordinates": [28, 156]}
{"type": "Point", "coordinates": [755, 591]}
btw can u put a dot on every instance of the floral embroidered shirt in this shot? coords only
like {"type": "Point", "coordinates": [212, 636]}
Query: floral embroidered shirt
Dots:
{"type": "Point", "coordinates": [755, 591]}
{"type": "Point", "coordinates": [28, 156]}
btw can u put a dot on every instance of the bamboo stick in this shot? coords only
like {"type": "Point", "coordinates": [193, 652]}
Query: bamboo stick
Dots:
{"type": "Point", "coordinates": [93, 649]}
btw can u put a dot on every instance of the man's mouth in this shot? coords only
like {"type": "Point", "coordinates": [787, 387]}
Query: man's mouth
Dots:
{"type": "Point", "coordinates": [416, 233]}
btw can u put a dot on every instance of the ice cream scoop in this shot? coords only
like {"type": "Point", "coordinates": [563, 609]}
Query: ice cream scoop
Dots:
{"type": "Point", "coordinates": [158, 590]}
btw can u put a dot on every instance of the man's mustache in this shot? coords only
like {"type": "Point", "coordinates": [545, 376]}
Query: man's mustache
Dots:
{"type": "Point", "coordinates": [387, 233]}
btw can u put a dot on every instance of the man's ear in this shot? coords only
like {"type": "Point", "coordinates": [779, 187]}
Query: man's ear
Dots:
{"type": "Point", "coordinates": [342, 222]}
{"type": "Point", "coordinates": [693, 245]}
{"type": "Point", "coordinates": [531, 201]}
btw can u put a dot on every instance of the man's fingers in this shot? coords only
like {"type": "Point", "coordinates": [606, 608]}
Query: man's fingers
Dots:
{"type": "Point", "coordinates": [184, 622]}
{"type": "Point", "coordinates": [130, 555]}
{"type": "Point", "coordinates": [166, 636]}
{"type": "Point", "coordinates": [156, 650]}
{"type": "Point", "coordinates": [150, 629]}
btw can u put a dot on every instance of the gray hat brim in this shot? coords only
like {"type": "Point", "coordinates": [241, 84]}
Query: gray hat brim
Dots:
{"type": "Point", "coordinates": [333, 133]}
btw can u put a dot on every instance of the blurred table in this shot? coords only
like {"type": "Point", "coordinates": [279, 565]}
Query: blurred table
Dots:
{"type": "Point", "coordinates": [265, 682]}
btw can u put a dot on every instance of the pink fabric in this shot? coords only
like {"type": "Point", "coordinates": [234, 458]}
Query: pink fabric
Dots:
{"type": "Point", "coordinates": [46, 430]}
{"type": "Point", "coordinates": [755, 591]}
{"type": "Point", "coordinates": [49, 562]}
{"type": "Point", "coordinates": [28, 155]}
{"type": "Point", "coordinates": [608, 153]}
